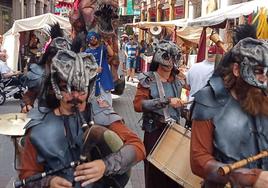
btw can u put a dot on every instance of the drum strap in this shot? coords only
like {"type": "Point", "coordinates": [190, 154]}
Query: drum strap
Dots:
{"type": "Point", "coordinates": [162, 96]}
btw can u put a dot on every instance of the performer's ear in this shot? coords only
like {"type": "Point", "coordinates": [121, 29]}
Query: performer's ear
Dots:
{"type": "Point", "coordinates": [236, 69]}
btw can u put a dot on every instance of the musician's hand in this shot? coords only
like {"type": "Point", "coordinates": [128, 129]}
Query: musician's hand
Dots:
{"type": "Point", "coordinates": [99, 70]}
{"type": "Point", "coordinates": [244, 177]}
{"type": "Point", "coordinates": [26, 108]}
{"type": "Point", "coordinates": [89, 172]}
{"type": "Point", "coordinates": [59, 182]}
{"type": "Point", "coordinates": [17, 72]}
{"type": "Point", "coordinates": [262, 181]}
{"type": "Point", "coordinates": [176, 102]}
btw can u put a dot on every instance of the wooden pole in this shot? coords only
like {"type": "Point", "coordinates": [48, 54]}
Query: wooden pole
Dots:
{"type": "Point", "coordinates": [158, 10]}
{"type": "Point", "coordinates": [171, 9]}
{"type": "Point", "coordinates": [186, 9]}
{"type": "Point", "coordinates": [141, 32]}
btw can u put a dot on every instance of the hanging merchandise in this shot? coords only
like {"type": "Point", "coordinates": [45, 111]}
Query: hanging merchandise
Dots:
{"type": "Point", "coordinates": [262, 29]}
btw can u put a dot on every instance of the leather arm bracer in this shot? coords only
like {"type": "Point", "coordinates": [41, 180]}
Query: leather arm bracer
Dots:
{"type": "Point", "coordinates": [120, 161]}
{"type": "Point", "coordinates": [154, 104]}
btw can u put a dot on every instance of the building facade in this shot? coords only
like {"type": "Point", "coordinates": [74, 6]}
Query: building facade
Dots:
{"type": "Point", "coordinates": [5, 15]}
{"type": "Point", "coordinates": [163, 10]}
{"type": "Point", "coordinates": [11, 10]}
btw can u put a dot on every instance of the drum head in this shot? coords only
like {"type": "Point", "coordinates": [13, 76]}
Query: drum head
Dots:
{"type": "Point", "coordinates": [174, 160]}
{"type": "Point", "coordinates": [13, 124]}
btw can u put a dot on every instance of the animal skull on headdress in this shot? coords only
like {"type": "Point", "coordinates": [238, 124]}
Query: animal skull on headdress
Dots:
{"type": "Point", "coordinates": [100, 13]}
{"type": "Point", "coordinates": [167, 53]}
{"type": "Point", "coordinates": [77, 70]}
{"type": "Point", "coordinates": [252, 56]}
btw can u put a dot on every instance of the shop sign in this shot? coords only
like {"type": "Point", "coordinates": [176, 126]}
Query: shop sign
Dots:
{"type": "Point", "coordinates": [179, 11]}
{"type": "Point", "coordinates": [137, 4]}
{"type": "Point", "coordinates": [137, 12]}
{"type": "Point", "coordinates": [152, 12]}
{"type": "Point", "coordinates": [167, 12]}
{"type": "Point", "coordinates": [129, 7]}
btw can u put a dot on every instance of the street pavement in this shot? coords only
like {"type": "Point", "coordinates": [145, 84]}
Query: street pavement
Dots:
{"type": "Point", "coordinates": [7, 171]}
{"type": "Point", "coordinates": [123, 106]}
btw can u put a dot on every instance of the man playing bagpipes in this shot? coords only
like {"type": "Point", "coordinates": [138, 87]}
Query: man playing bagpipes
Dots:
{"type": "Point", "coordinates": [230, 117]}
{"type": "Point", "coordinates": [61, 140]}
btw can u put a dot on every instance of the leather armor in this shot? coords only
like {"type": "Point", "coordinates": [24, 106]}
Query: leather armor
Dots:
{"type": "Point", "coordinates": [56, 150]}
{"type": "Point", "coordinates": [53, 148]}
{"type": "Point", "coordinates": [237, 134]}
{"type": "Point", "coordinates": [35, 76]}
{"type": "Point", "coordinates": [153, 117]}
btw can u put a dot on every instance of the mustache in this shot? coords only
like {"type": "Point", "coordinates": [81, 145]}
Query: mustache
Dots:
{"type": "Point", "coordinates": [75, 101]}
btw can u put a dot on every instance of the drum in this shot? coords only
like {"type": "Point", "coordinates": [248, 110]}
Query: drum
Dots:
{"type": "Point", "coordinates": [171, 154]}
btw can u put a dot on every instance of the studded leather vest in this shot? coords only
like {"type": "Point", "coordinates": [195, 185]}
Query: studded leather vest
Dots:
{"type": "Point", "coordinates": [237, 134]}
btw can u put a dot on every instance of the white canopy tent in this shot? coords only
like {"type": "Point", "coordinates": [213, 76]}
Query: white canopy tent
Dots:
{"type": "Point", "coordinates": [172, 23]}
{"type": "Point", "coordinates": [230, 12]}
{"type": "Point", "coordinates": [190, 35]}
{"type": "Point", "coordinates": [11, 38]}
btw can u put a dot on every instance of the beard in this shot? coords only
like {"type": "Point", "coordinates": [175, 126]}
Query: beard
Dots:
{"type": "Point", "coordinates": [252, 99]}
{"type": "Point", "coordinates": [94, 43]}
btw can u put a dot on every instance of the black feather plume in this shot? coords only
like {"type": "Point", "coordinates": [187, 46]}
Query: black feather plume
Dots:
{"type": "Point", "coordinates": [78, 43]}
{"type": "Point", "coordinates": [244, 31]}
{"type": "Point", "coordinates": [55, 31]}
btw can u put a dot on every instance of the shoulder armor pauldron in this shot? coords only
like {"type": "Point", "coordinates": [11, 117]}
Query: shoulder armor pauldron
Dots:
{"type": "Point", "coordinates": [146, 78]}
{"type": "Point", "coordinates": [37, 115]}
{"type": "Point", "coordinates": [210, 99]}
{"type": "Point", "coordinates": [35, 76]}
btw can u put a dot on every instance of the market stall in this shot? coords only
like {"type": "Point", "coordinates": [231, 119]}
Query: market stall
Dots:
{"type": "Point", "coordinates": [181, 33]}
{"type": "Point", "coordinates": [252, 12]}
{"type": "Point", "coordinates": [231, 12]}
{"type": "Point", "coordinates": [12, 37]}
